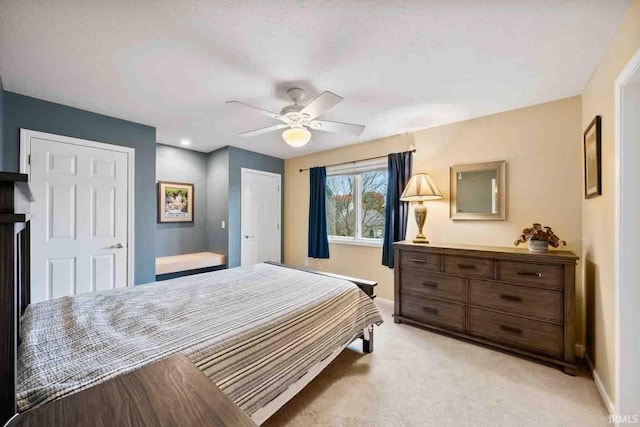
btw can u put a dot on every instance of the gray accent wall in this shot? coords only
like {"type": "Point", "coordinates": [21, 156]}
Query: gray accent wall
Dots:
{"type": "Point", "coordinates": [239, 159]}
{"type": "Point", "coordinates": [224, 175]}
{"type": "Point", "coordinates": [180, 165]}
{"type": "Point", "coordinates": [35, 114]}
{"type": "Point", "coordinates": [217, 200]}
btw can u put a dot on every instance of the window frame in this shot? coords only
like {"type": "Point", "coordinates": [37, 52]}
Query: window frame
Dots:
{"type": "Point", "coordinates": [357, 171]}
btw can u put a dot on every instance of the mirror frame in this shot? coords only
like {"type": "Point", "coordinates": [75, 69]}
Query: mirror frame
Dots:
{"type": "Point", "coordinates": [501, 179]}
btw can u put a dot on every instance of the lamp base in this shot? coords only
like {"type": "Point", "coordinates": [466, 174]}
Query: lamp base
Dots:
{"type": "Point", "coordinates": [421, 217]}
{"type": "Point", "coordinates": [422, 240]}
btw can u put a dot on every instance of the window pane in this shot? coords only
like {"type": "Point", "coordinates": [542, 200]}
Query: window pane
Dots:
{"type": "Point", "coordinates": [340, 206]}
{"type": "Point", "coordinates": [374, 197]}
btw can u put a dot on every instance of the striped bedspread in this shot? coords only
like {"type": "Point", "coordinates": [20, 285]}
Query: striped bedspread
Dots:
{"type": "Point", "coordinates": [253, 330]}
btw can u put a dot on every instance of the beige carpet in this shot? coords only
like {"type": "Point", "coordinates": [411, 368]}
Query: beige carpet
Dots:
{"type": "Point", "coordinates": [418, 378]}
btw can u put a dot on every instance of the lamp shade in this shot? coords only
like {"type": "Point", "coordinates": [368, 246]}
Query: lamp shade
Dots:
{"type": "Point", "coordinates": [420, 188]}
{"type": "Point", "coordinates": [296, 136]}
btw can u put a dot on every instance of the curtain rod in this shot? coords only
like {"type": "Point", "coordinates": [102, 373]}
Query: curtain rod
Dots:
{"type": "Point", "coordinates": [355, 161]}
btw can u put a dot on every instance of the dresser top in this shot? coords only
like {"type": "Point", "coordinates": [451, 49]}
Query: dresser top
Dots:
{"type": "Point", "coordinates": [556, 255]}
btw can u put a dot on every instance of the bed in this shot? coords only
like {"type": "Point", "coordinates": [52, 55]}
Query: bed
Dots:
{"type": "Point", "coordinates": [260, 333]}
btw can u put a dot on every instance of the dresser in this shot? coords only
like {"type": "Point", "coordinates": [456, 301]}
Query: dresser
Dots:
{"type": "Point", "coordinates": [507, 298]}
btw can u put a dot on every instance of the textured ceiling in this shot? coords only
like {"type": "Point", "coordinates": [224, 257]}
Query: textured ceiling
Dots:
{"type": "Point", "coordinates": [400, 65]}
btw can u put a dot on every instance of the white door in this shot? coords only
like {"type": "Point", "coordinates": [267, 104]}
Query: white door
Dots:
{"type": "Point", "coordinates": [79, 217]}
{"type": "Point", "coordinates": [260, 209]}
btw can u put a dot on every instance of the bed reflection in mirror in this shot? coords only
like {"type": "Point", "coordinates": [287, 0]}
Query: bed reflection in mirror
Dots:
{"type": "Point", "coordinates": [478, 191]}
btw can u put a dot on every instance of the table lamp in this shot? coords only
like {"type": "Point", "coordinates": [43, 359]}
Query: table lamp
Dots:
{"type": "Point", "coordinates": [419, 189]}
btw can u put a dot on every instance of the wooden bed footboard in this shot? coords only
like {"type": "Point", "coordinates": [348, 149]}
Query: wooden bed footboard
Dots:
{"type": "Point", "coordinates": [14, 286]}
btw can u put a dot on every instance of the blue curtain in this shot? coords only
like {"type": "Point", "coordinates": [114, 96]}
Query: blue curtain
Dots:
{"type": "Point", "coordinates": [396, 213]}
{"type": "Point", "coordinates": [318, 239]}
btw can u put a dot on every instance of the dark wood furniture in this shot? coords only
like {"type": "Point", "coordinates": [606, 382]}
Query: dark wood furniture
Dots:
{"type": "Point", "coordinates": [367, 286]}
{"type": "Point", "coordinates": [14, 284]}
{"type": "Point", "coordinates": [171, 392]}
{"type": "Point", "coordinates": [511, 299]}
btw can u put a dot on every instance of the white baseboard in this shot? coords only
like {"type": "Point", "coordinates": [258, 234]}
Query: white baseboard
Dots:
{"type": "Point", "coordinates": [596, 379]}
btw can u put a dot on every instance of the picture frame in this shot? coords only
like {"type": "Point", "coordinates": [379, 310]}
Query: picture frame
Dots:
{"type": "Point", "coordinates": [175, 202]}
{"type": "Point", "coordinates": [593, 159]}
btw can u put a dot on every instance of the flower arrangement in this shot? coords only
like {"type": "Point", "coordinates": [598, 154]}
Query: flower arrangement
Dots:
{"type": "Point", "coordinates": [541, 235]}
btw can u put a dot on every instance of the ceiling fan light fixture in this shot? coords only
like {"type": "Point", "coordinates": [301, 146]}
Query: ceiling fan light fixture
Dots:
{"type": "Point", "coordinates": [296, 136]}
{"type": "Point", "coordinates": [296, 118]}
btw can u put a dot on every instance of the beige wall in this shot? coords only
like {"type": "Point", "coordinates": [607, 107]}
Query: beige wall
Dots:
{"type": "Point", "coordinates": [598, 213]}
{"type": "Point", "coordinates": [542, 147]}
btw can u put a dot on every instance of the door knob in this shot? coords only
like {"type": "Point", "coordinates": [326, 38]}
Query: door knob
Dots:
{"type": "Point", "coordinates": [116, 246]}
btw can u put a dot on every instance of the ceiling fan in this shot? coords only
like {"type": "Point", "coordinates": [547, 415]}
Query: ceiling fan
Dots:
{"type": "Point", "coordinates": [298, 119]}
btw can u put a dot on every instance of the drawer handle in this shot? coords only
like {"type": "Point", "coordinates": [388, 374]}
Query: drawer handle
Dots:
{"type": "Point", "coordinates": [431, 284]}
{"type": "Point", "coordinates": [529, 273]}
{"type": "Point", "coordinates": [467, 266]}
{"type": "Point", "coordinates": [430, 310]}
{"type": "Point", "coordinates": [511, 329]}
{"type": "Point", "coordinates": [419, 261]}
{"type": "Point", "coordinates": [508, 297]}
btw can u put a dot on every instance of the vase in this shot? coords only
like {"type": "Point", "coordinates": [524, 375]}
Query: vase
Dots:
{"type": "Point", "coordinates": [538, 246]}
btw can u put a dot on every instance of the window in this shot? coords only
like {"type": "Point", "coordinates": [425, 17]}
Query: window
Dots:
{"type": "Point", "coordinates": [355, 205]}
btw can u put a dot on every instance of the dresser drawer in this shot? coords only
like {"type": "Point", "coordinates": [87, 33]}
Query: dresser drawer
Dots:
{"type": "Point", "coordinates": [523, 272]}
{"type": "Point", "coordinates": [432, 284]}
{"type": "Point", "coordinates": [434, 312]}
{"type": "Point", "coordinates": [518, 299]}
{"type": "Point", "coordinates": [527, 334]}
{"type": "Point", "coordinates": [421, 260]}
{"type": "Point", "coordinates": [470, 267]}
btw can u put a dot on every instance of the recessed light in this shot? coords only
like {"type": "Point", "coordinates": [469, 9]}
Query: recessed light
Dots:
{"type": "Point", "coordinates": [185, 142]}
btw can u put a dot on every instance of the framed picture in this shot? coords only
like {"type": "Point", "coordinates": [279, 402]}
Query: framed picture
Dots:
{"type": "Point", "coordinates": [175, 202]}
{"type": "Point", "coordinates": [592, 160]}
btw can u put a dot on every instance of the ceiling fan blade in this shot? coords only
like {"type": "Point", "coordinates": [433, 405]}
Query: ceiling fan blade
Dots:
{"type": "Point", "coordinates": [263, 130]}
{"type": "Point", "coordinates": [321, 103]}
{"type": "Point", "coordinates": [337, 127]}
{"type": "Point", "coordinates": [260, 110]}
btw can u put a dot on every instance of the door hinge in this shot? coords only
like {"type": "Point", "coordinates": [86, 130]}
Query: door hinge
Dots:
{"type": "Point", "coordinates": [29, 159]}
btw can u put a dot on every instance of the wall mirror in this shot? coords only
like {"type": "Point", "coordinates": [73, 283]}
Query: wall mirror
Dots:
{"type": "Point", "coordinates": [478, 191]}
